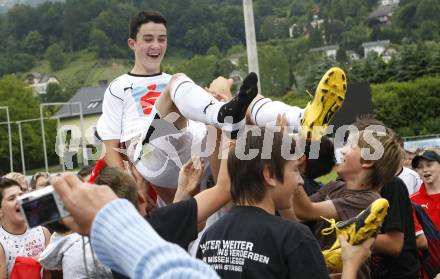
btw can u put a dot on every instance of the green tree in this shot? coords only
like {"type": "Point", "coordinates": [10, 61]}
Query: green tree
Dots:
{"type": "Point", "coordinates": [113, 22]}
{"type": "Point", "coordinates": [428, 30]}
{"type": "Point", "coordinates": [101, 43]}
{"type": "Point", "coordinates": [434, 64]}
{"type": "Point", "coordinates": [199, 68]}
{"type": "Point", "coordinates": [15, 94]}
{"type": "Point", "coordinates": [398, 106]}
{"type": "Point", "coordinates": [315, 37]}
{"type": "Point", "coordinates": [33, 43]}
{"type": "Point", "coordinates": [213, 51]}
{"type": "Point", "coordinates": [407, 63]}
{"type": "Point", "coordinates": [20, 20]}
{"type": "Point", "coordinates": [55, 56]}
{"type": "Point", "coordinates": [54, 93]}
{"type": "Point", "coordinates": [427, 10]}
{"type": "Point", "coordinates": [223, 67]}
{"type": "Point", "coordinates": [352, 38]}
{"type": "Point", "coordinates": [274, 70]}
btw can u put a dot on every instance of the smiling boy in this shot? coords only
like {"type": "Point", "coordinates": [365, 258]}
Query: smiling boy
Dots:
{"type": "Point", "coordinates": [169, 113]}
{"type": "Point", "coordinates": [428, 166]}
{"type": "Point", "coordinates": [250, 241]}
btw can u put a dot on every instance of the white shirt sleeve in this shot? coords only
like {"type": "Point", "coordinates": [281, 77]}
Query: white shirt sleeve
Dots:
{"type": "Point", "coordinates": [109, 126]}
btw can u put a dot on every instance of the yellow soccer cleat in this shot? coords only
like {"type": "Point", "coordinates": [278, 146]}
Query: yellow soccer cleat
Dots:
{"type": "Point", "coordinates": [355, 230]}
{"type": "Point", "coordinates": [329, 96]}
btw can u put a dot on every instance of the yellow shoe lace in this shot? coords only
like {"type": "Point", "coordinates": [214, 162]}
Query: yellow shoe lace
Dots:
{"type": "Point", "coordinates": [333, 226]}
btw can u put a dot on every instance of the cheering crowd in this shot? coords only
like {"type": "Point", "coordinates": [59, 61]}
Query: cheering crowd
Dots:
{"type": "Point", "coordinates": [202, 183]}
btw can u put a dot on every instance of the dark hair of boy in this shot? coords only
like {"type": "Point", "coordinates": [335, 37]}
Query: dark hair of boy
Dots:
{"type": "Point", "coordinates": [120, 182]}
{"type": "Point", "coordinates": [6, 183]}
{"type": "Point", "coordinates": [142, 18]}
{"type": "Point", "coordinates": [86, 170]}
{"type": "Point", "coordinates": [363, 121]}
{"type": "Point", "coordinates": [247, 188]}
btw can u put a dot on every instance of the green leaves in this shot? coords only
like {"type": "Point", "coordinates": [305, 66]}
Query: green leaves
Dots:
{"type": "Point", "coordinates": [55, 56]}
{"type": "Point", "coordinates": [409, 107]}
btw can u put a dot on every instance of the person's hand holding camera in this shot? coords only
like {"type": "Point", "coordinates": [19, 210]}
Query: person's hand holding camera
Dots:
{"type": "Point", "coordinates": [82, 200]}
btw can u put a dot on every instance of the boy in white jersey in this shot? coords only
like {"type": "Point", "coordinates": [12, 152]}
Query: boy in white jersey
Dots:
{"type": "Point", "coordinates": [136, 104]}
{"type": "Point", "coordinates": [16, 239]}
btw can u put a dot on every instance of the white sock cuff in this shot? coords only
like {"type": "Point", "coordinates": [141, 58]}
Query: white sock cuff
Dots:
{"type": "Point", "coordinates": [176, 82]}
{"type": "Point", "coordinates": [256, 107]}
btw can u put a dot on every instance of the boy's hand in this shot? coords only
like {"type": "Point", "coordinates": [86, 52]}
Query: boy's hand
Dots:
{"type": "Point", "coordinates": [82, 200]}
{"type": "Point", "coordinates": [190, 176]}
{"type": "Point", "coordinates": [354, 256]}
{"type": "Point", "coordinates": [282, 122]}
{"type": "Point", "coordinates": [221, 88]}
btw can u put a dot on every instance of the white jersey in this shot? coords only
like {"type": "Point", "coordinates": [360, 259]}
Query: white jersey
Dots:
{"type": "Point", "coordinates": [128, 110]}
{"type": "Point", "coordinates": [411, 179]}
{"type": "Point", "coordinates": [128, 106]}
{"type": "Point", "coordinates": [29, 244]}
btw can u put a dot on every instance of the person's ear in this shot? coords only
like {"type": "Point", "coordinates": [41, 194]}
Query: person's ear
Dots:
{"type": "Point", "coordinates": [131, 44]}
{"type": "Point", "coordinates": [367, 164]}
{"type": "Point", "coordinates": [268, 176]}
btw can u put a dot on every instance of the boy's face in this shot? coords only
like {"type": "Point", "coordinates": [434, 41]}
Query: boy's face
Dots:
{"type": "Point", "coordinates": [150, 46]}
{"type": "Point", "coordinates": [283, 190]}
{"type": "Point", "coordinates": [429, 171]}
{"type": "Point", "coordinates": [10, 211]}
{"type": "Point", "coordinates": [350, 160]}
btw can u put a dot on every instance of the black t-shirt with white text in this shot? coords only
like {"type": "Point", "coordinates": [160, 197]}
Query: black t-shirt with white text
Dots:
{"type": "Point", "coordinates": [248, 242]}
{"type": "Point", "coordinates": [399, 218]}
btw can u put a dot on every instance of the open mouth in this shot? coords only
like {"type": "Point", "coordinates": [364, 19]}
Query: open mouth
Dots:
{"type": "Point", "coordinates": [427, 176]}
{"type": "Point", "coordinates": [153, 55]}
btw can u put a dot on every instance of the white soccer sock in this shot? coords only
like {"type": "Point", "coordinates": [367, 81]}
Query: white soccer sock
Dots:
{"type": "Point", "coordinates": [265, 112]}
{"type": "Point", "coordinates": [194, 102]}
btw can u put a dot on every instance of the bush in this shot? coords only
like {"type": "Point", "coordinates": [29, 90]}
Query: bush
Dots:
{"type": "Point", "coordinates": [410, 107]}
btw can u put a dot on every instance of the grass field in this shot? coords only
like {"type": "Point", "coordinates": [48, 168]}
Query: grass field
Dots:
{"type": "Point", "coordinates": [82, 69]}
{"type": "Point", "coordinates": [327, 178]}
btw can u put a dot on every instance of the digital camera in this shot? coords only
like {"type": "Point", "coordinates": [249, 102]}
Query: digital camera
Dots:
{"type": "Point", "coordinates": [42, 207]}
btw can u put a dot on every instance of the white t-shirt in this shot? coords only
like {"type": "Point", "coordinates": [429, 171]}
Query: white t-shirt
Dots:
{"type": "Point", "coordinates": [411, 179]}
{"type": "Point", "coordinates": [66, 253]}
{"type": "Point", "coordinates": [128, 105]}
{"type": "Point", "coordinates": [29, 244]}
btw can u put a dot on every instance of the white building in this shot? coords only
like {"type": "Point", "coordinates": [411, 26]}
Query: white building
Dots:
{"type": "Point", "coordinates": [382, 14]}
{"type": "Point", "coordinates": [352, 55]}
{"type": "Point", "coordinates": [329, 51]}
{"type": "Point", "coordinates": [389, 2]}
{"type": "Point", "coordinates": [39, 82]}
{"type": "Point", "coordinates": [376, 46]}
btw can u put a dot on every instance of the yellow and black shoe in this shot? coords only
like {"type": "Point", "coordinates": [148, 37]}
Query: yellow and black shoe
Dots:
{"type": "Point", "coordinates": [355, 230]}
{"type": "Point", "coordinates": [329, 96]}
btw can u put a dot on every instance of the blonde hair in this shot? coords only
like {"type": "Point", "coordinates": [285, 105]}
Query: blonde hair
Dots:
{"type": "Point", "coordinates": [18, 177]}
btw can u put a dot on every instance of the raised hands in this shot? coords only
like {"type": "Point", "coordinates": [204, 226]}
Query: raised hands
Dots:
{"type": "Point", "coordinates": [190, 176]}
{"type": "Point", "coordinates": [220, 88]}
